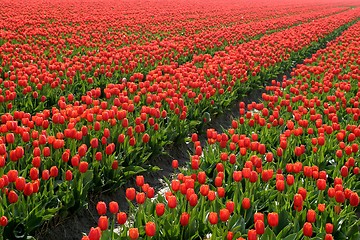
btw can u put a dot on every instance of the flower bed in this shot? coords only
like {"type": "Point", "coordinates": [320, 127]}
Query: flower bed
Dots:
{"type": "Point", "coordinates": [64, 135]}
{"type": "Point", "coordinates": [287, 169]}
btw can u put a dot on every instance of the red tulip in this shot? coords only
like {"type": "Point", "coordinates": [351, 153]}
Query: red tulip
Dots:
{"type": "Point", "coordinates": [230, 205]}
{"type": "Point", "coordinates": [140, 198]}
{"type": "Point", "coordinates": [237, 176]}
{"type": "Point", "coordinates": [150, 229]}
{"type": "Point", "coordinates": [3, 221]}
{"type": "Point", "coordinates": [259, 227]}
{"type": "Point", "coordinates": [221, 192]}
{"type": "Point", "coordinates": [258, 217]}
{"type": "Point", "coordinates": [321, 184]}
{"type": "Point", "coordinates": [172, 201]}
{"type": "Point", "coordinates": [329, 228]}
{"type": "Point", "coordinates": [121, 218]}
{"type": "Point", "coordinates": [253, 176]}
{"type": "Point", "coordinates": [211, 195]}
{"type": "Point", "coordinates": [213, 218]}
{"type": "Point", "coordinates": [328, 237]}
{"type": "Point", "coordinates": [302, 192]}
{"type": "Point", "coordinates": [229, 235]}
{"type": "Point", "coordinates": [95, 233]}
{"type": "Point", "coordinates": [354, 199]}
{"type": "Point", "coordinates": [146, 138]}
{"type": "Point", "coordinates": [340, 196]}
{"type": "Point", "coordinates": [13, 197]}
{"type": "Point", "coordinates": [175, 185]}
{"type": "Point", "coordinates": [201, 177]}
{"type": "Point", "coordinates": [224, 214]}
{"type": "Point", "coordinates": [160, 209]}
{"type": "Point", "coordinates": [184, 219]}
{"type": "Point", "coordinates": [280, 185]}
{"type": "Point", "coordinates": [269, 157]}
{"type": "Point", "coordinates": [28, 189]}
{"type": "Point", "coordinates": [175, 164]}
{"type": "Point", "coordinates": [68, 175]}
{"type": "Point", "coordinates": [252, 234]}
{"type": "Point", "coordinates": [12, 175]}
{"type": "Point", "coordinates": [83, 166]}
{"type": "Point", "coordinates": [246, 203]}
{"type": "Point", "coordinates": [344, 171]}
{"type": "Point", "coordinates": [130, 193]}
{"type": "Point", "coordinates": [103, 223]}
{"type": "Point", "coordinates": [20, 183]}
{"type": "Point", "coordinates": [307, 229]}
{"type": "Point", "coordinates": [321, 207]}
{"type": "Point", "coordinates": [218, 181]}
{"type": "Point", "coordinates": [273, 219]}
{"type": "Point", "coordinates": [193, 200]}
{"type": "Point", "coordinates": [133, 233]}
{"type": "Point", "coordinates": [311, 216]}
{"type": "Point", "coordinates": [140, 180]}
{"type": "Point", "coordinates": [150, 192]}
{"type": "Point", "coordinates": [101, 208]}
{"type": "Point", "coordinates": [298, 202]}
{"type": "Point", "coordinates": [54, 171]}
{"type": "Point", "coordinates": [113, 207]}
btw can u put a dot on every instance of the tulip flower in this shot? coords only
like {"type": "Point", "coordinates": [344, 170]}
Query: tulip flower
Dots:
{"type": "Point", "coordinates": [101, 208]}
{"type": "Point", "coordinates": [121, 218]}
{"type": "Point", "coordinates": [150, 229]}
{"type": "Point", "coordinates": [273, 219]}
{"type": "Point", "coordinates": [184, 219]}
{"type": "Point", "coordinates": [133, 233]}
{"type": "Point", "coordinates": [307, 229]}
{"type": "Point", "coordinates": [213, 218]}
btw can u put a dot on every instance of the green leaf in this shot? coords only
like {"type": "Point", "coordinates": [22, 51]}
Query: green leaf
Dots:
{"type": "Point", "coordinates": [133, 170]}
{"type": "Point", "coordinates": [194, 123]}
{"type": "Point", "coordinates": [356, 235]}
{"type": "Point", "coordinates": [236, 223]}
{"type": "Point", "coordinates": [193, 227]}
{"type": "Point", "coordinates": [284, 231]}
{"type": "Point", "coordinates": [289, 237]}
{"type": "Point", "coordinates": [340, 235]}
{"type": "Point", "coordinates": [154, 168]}
{"type": "Point", "coordinates": [283, 222]}
{"type": "Point", "coordinates": [268, 234]}
{"type": "Point", "coordinates": [106, 234]}
{"type": "Point", "coordinates": [353, 229]}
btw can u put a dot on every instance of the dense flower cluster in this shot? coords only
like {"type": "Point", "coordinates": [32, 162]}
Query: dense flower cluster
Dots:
{"type": "Point", "coordinates": [286, 168]}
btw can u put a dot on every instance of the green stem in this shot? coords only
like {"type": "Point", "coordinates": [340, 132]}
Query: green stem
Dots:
{"type": "Point", "coordinates": [112, 227]}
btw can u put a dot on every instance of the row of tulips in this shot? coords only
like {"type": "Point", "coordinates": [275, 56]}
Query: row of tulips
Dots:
{"type": "Point", "coordinates": [288, 168]}
{"type": "Point", "coordinates": [36, 73]}
{"type": "Point", "coordinates": [135, 22]}
{"type": "Point", "coordinates": [50, 160]}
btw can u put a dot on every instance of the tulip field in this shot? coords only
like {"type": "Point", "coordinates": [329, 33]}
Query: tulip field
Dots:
{"type": "Point", "coordinates": [91, 92]}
